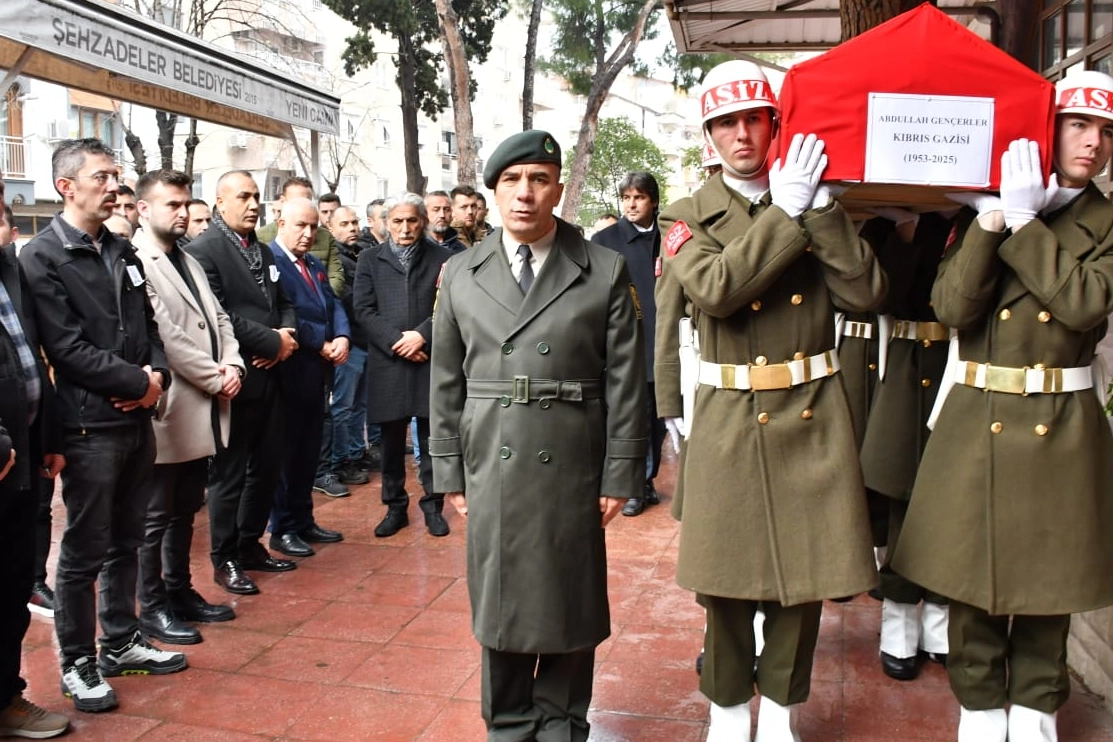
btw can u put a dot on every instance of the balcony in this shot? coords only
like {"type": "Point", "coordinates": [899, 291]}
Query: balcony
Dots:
{"type": "Point", "coordinates": [13, 160]}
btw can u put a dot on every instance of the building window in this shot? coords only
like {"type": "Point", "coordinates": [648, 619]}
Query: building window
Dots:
{"type": "Point", "coordinates": [1075, 34]}
{"type": "Point", "coordinates": [96, 124]}
{"type": "Point", "coordinates": [347, 189]}
{"type": "Point", "coordinates": [382, 188]}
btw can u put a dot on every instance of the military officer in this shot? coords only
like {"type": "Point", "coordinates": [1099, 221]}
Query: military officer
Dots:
{"type": "Point", "coordinates": [538, 437]}
{"type": "Point", "coordinates": [772, 512]}
{"type": "Point", "coordinates": [909, 247]}
{"type": "Point", "coordinates": [1010, 515]}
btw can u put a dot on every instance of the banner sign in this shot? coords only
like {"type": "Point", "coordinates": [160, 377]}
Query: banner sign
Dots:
{"type": "Point", "coordinates": [137, 48]}
{"type": "Point", "coordinates": [929, 139]}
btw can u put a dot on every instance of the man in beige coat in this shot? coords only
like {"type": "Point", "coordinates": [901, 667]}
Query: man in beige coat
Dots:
{"type": "Point", "coordinates": [205, 362]}
{"type": "Point", "coordinates": [1011, 513]}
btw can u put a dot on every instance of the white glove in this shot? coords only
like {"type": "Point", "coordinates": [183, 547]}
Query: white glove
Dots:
{"type": "Point", "coordinates": [792, 184]}
{"type": "Point", "coordinates": [895, 215]}
{"type": "Point", "coordinates": [677, 429]}
{"type": "Point", "coordinates": [983, 203]}
{"type": "Point", "coordinates": [1023, 193]}
{"type": "Point", "coordinates": [825, 193]}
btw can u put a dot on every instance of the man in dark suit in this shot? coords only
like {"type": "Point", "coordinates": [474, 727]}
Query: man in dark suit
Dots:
{"type": "Point", "coordinates": [244, 476]}
{"type": "Point", "coordinates": [306, 377]}
{"type": "Point", "coordinates": [538, 392]}
{"type": "Point", "coordinates": [28, 431]}
{"type": "Point", "coordinates": [393, 297]}
{"type": "Point", "coordinates": [636, 237]}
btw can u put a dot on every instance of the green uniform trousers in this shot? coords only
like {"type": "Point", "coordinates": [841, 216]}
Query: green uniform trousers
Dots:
{"type": "Point", "coordinates": [783, 673]}
{"type": "Point", "coordinates": [896, 587]}
{"type": "Point", "coordinates": [996, 660]}
{"type": "Point", "coordinates": [536, 698]}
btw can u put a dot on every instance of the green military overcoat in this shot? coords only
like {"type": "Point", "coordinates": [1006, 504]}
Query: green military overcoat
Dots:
{"type": "Point", "coordinates": [1012, 509]}
{"type": "Point", "coordinates": [773, 506]}
{"type": "Point", "coordinates": [533, 472]}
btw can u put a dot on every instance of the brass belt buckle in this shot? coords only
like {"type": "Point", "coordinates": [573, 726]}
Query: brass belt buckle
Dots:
{"type": "Point", "coordinates": [1005, 379]}
{"type": "Point", "coordinates": [768, 378]}
{"type": "Point", "coordinates": [521, 390]}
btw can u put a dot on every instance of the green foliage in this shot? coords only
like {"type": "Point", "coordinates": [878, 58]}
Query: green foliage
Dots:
{"type": "Point", "coordinates": [417, 23]}
{"type": "Point", "coordinates": [585, 30]}
{"type": "Point", "coordinates": [688, 69]}
{"type": "Point", "coordinates": [619, 149]}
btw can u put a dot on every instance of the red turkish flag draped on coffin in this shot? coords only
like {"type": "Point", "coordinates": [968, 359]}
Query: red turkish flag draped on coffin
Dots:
{"type": "Point", "coordinates": [914, 108]}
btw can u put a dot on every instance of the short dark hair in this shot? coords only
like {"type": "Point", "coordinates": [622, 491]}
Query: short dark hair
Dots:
{"type": "Point", "coordinates": [608, 215]}
{"type": "Point", "coordinates": [296, 180]}
{"type": "Point", "coordinates": [462, 190]}
{"type": "Point", "coordinates": [328, 198]}
{"type": "Point", "coordinates": [481, 197]}
{"type": "Point", "coordinates": [70, 155]}
{"type": "Point", "coordinates": [125, 190]}
{"type": "Point", "coordinates": [9, 216]}
{"type": "Point", "coordinates": [197, 202]}
{"type": "Point", "coordinates": [641, 181]}
{"type": "Point", "coordinates": [148, 180]}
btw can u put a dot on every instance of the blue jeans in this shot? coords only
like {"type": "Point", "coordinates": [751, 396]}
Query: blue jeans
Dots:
{"type": "Point", "coordinates": [349, 408]}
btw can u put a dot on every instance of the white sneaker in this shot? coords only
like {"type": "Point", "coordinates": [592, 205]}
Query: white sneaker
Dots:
{"type": "Point", "coordinates": [139, 657]}
{"type": "Point", "coordinates": [1029, 725]}
{"type": "Point", "coordinates": [729, 723]}
{"type": "Point", "coordinates": [991, 725]}
{"type": "Point", "coordinates": [83, 682]}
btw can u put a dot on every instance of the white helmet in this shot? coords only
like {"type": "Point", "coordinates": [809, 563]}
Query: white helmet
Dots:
{"type": "Point", "coordinates": [709, 157]}
{"type": "Point", "coordinates": [1087, 92]}
{"type": "Point", "coordinates": [732, 86]}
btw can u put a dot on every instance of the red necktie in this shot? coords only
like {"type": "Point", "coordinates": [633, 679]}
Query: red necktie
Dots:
{"type": "Point", "coordinates": [305, 274]}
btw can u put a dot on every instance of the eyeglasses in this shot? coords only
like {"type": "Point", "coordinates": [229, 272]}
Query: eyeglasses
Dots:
{"type": "Point", "coordinates": [100, 177]}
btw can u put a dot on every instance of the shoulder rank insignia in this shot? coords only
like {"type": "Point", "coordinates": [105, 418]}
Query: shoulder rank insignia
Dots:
{"type": "Point", "coordinates": [677, 235]}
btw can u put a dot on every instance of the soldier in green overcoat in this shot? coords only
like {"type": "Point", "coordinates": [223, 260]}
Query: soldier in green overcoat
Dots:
{"type": "Point", "coordinates": [1012, 509]}
{"type": "Point", "coordinates": [538, 436]}
{"type": "Point", "coordinates": [773, 511]}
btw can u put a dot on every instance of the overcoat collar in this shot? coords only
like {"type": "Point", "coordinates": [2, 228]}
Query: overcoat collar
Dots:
{"type": "Point", "coordinates": [726, 213]}
{"type": "Point", "coordinates": [160, 262]}
{"type": "Point", "coordinates": [565, 264]}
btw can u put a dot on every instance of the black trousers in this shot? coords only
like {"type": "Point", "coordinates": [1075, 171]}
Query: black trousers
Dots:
{"type": "Point", "coordinates": [177, 493]}
{"type": "Point", "coordinates": [17, 532]}
{"type": "Point", "coordinates": [995, 660]}
{"type": "Point", "coordinates": [657, 434]}
{"type": "Point", "coordinates": [106, 487]}
{"type": "Point", "coordinates": [244, 475]}
{"type": "Point", "coordinates": [784, 671]}
{"type": "Point", "coordinates": [536, 698]}
{"type": "Point", "coordinates": [306, 405]}
{"type": "Point", "coordinates": [44, 488]}
{"type": "Point", "coordinates": [393, 450]}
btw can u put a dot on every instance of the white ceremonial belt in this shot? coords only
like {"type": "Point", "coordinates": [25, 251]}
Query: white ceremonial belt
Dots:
{"type": "Point", "coordinates": [923, 332]}
{"type": "Point", "coordinates": [1025, 380]}
{"type": "Point", "coordinates": [852, 329]}
{"type": "Point", "coordinates": [767, 377]}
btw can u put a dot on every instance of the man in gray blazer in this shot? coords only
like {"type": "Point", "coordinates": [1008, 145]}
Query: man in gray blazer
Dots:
{"type": "Point", "coordinates": [205, 363]}
{"type": "Point", "coordinates": [538, 437]}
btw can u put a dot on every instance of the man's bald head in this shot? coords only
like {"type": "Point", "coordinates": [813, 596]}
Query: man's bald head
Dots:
{"type": "Point", "coordinates": [237, 201]}
{"type": "Point", "coordinates": [344, 226]}
{"type": "Point", "coordinates": [297, 226]}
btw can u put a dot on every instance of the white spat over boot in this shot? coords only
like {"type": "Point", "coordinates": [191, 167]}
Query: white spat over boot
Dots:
{"type": "Point", "coordinates": [776, 723]}
{"type": "Point", "coordinates": [991, 725]}
{"type": "Point", "coordinates": [933, 630]}
{"type": "Point", "coordinates": [729, 723]}
{"type": "Point", "coordinates": [1029, 725]}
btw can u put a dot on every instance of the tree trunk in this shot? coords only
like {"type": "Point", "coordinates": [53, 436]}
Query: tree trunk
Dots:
{"type": "Point", "coordinates": [167, 123]}
{"type": "Point", "coordinates": [135, 146]}
{"type": "Point", "coordinates": [1018, 29]}
{"type": "Point", "coordinates": [530, 65]}
{"type": "Point", "coordinates": [460, 79]}
{"type": "Point", "coordinates": [606, 72]}
{"type": "Point", "coordinates": [415, 180]}
{"type": "Point", "coordinates": [858, 16]}
{"type": "Point", "coordinates": [191, 143]}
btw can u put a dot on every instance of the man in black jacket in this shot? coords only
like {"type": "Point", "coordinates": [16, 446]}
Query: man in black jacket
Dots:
{"type": "Point", "coordinates": [99, 333]}
{"type": "Point", "coordinates": [28, 432]}
{"type": "Point", "coordinates": [244, 475]}
{"type": "Point", "coordinates": [636, 237]}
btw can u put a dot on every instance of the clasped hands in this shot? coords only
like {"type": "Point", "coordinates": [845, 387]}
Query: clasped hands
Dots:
{"type": "Point", "coordinates": [410, 346]}
{"type": "Point", "coordinates": [149, 398]}
{"type": "Point", "coordinates": [286, 348]}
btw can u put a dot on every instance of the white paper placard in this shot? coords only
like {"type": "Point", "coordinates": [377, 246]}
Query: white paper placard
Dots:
{"type": "Point", "coordinates": [929, 139]}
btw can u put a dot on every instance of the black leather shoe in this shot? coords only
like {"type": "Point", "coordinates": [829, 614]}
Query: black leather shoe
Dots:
{"type": "Point", "coordinates": [898, 668]}
{"type": "Point", "coordinates": [317, 535]}
{"type": "Point", "coordinates": [699, 664]}
{"type": "Point", "coordinates": [291, 544]}
{"type": "Point", "coordinates": [231, 577]}
{"type": "Point", "coordinates": [161, 624]}
{"type": "Point", "coordinates": [940, 658]}
{"type": "Point", "coordinates": [350, 473]}
{"type": "Point", "coordinates": [188, 605]}
{"type": "Point", "coordinates": [436, 524]}
{"type": "Point", "coordinates": [634, 506]}
{"type": "Point", "coordinates": [875, 593]}
{"type": "Point", "coordinates": [258, 559]}
{"type": "Point", "coordinates": [395, 520]}
{"type": "Point", "coordinates": [371, 460]}
{"type": "Point", "coordinates": [651, 496]}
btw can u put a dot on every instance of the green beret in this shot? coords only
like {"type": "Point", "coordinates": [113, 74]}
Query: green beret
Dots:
{"type": "Point", "coordinates": [529, 146]}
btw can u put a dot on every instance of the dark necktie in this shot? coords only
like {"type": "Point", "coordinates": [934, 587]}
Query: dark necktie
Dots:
{"type": "Point", "coordinates": [305, 274]}
{"type": "Point", "coordinates": [525, 278]}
